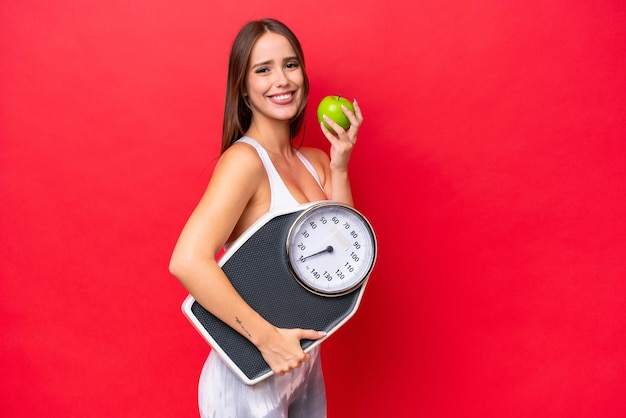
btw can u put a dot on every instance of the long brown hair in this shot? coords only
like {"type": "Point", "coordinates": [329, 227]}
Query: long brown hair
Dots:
{"type": "Point", "coordinates": [237, 114]}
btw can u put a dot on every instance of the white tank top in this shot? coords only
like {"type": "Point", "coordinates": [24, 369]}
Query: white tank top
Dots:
{"type": "Point", "coordinates": [281, 198]}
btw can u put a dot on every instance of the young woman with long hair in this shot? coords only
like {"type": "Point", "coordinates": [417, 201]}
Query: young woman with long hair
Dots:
{"type": "Point", "coordinates": [259, 170]}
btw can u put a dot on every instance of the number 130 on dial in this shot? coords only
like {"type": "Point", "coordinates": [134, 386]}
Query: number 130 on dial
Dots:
{"type": "Point", "coordinates": [331, 249]}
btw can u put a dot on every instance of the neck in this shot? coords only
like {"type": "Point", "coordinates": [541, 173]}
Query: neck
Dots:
{"type": "Point", "coordinates": [274, 137]}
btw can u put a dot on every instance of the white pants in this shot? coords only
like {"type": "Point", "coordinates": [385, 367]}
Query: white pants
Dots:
{"type": "Point", "coordinates": [299, 394]}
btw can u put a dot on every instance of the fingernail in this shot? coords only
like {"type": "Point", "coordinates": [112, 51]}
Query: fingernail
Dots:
{"type": "Point", "coordinates": [326, 117]}
{"type": "Point", "coordinates": [322, 332]}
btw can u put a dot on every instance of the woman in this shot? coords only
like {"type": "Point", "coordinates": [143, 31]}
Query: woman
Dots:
{"type": "Point", "coordinates": [260, 171]}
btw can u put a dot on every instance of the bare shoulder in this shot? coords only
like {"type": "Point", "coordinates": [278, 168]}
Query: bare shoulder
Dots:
{"type": "Point", "coordinates": [319, 159]}
{"type": "Point", "coordinates": [316, 156]}
{"type": "Point", "coordinates": [239, 183]}
{"type": "Point", "coordinates": [237, 173]}
{"type": "Point", "coordinates": [242, 157]}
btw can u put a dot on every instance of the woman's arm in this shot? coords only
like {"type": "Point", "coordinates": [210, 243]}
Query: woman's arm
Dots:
{"type": "Point", "coordinates": [231, 194]}
{"type": "Point", "coordinates": [337, 186]}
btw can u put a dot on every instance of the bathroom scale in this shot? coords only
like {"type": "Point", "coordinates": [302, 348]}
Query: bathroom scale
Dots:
{"type": "Point", "coordinates": [303, 267]}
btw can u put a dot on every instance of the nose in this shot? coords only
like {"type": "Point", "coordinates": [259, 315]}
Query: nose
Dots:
{"type": "Point", "coordinates": [281, 78]}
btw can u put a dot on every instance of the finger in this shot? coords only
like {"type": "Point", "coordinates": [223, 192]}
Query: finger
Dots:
{"type": "Point", "coordinates": [340, 135]}
{"type": "Point", "coordinates": [327, 132]}
{"type": "Point", "coordinates": [330, 136]}
{"type": "Point", "coordinates": [311, 334]}
{"type": "Point", "coordinates": [357, 110]}
{"type": "Point", "coordinates": [336, 127]}
{"type": "Point", "coordinates": [355, 118]}
{"type": "Point", "coordinates": [354, 121]}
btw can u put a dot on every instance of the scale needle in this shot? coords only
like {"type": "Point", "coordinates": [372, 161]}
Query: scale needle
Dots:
{"type": "Point", "coordinates": [328, 249]}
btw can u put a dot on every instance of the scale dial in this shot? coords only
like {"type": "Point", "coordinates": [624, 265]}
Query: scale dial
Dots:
{"type": "Point", "coordinates": [331, 249]}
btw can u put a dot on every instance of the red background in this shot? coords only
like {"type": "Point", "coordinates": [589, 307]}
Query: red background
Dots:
{"type": "Point", "coordinates": [491, 163]}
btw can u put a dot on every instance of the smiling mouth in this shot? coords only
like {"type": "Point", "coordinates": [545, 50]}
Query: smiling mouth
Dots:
{"type": "Point", "coordinates": [282, 97]}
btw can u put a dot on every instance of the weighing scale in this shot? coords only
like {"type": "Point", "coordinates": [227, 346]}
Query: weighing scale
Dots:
{"type": "Point", "coordinates": [304, 267]}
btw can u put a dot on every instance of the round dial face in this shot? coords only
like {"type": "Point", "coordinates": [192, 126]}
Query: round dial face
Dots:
{"type": "Point", "coordinates": [331, 249]}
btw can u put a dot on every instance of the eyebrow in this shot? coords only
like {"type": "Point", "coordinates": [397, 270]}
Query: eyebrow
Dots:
{"type": "Point", "coordinates": [259, 64]}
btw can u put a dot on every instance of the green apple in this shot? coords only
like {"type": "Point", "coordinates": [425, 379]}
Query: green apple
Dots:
{"type": "Point", "coordinates": [331, 107]}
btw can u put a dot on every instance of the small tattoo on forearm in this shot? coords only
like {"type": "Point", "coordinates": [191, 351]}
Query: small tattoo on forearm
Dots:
{"type": "Point", "coordinates": [242, 327]}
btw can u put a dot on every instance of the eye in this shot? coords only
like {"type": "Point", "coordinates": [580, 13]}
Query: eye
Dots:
{"type": "Point", "coordinates": [262, 70]}
{"type": "Point", "coordinates": [292, 65]}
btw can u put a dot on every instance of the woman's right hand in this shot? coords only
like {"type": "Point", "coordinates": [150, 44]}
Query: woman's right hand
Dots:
{"type": "Point", "coordinates": [281, 349]}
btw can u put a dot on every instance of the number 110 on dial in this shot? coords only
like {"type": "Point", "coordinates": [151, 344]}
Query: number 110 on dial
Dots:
{"type": "Point", "coordinates": [331, 249]}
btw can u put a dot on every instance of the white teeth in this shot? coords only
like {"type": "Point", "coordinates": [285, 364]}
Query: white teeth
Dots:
{"type": "Point", "coordinates": [282, 97]}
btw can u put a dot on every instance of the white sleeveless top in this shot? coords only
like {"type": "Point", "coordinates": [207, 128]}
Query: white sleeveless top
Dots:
{"type": "Point", "coordinates": [281, 198]}
{"type": "Point", "coordinates": [220, 392]}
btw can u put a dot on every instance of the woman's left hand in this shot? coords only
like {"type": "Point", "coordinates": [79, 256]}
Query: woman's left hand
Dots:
{"type": "Point", "coordinates": [342, 141]}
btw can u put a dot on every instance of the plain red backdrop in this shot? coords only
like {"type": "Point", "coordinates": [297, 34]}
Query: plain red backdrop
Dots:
{"type": "Point", "coordinates": [491, 163]}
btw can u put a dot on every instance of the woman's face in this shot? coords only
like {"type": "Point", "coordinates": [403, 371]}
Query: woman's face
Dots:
{"type": "Point", "coordinates": [274, 80]}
